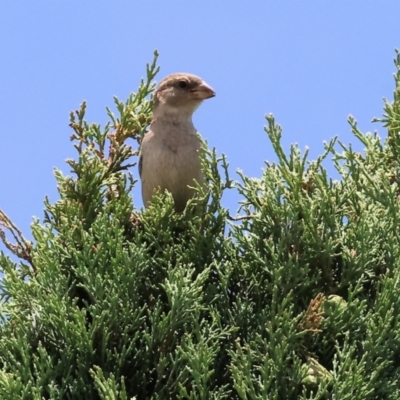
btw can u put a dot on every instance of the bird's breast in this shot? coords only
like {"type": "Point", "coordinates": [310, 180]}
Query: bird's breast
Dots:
{"type": "Point", "coordinates": [171, 163]}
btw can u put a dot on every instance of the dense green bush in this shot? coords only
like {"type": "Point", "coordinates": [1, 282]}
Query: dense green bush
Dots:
{"type": "Point", "coordinates": [295, 298]}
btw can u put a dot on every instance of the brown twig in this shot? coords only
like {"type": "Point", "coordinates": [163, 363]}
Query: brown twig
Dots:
{"type": "Point", "coordinates": [23, 248]}
{"type": "Point", "coordinates": [241, 217]}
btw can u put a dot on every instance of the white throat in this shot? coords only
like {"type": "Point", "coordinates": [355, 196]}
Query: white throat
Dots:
{"type": "Point", "coordinates": [168, 122]}
{"type": "Point", "coordinates": [165, 114]}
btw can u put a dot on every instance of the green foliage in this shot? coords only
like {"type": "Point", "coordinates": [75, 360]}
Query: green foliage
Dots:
{"type": "Point", "coordinates": [295, 298]}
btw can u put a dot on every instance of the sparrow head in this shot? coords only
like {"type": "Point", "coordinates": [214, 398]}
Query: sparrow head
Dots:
{"type": "Point", "coordinates": [182, 91]}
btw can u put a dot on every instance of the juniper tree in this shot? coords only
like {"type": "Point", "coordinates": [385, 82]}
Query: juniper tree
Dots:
{"type": "Point", "coordinates": [296, 297]}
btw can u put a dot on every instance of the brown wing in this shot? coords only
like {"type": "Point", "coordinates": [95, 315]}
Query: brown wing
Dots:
{"type": "Point", "coordinates": [140, 165]}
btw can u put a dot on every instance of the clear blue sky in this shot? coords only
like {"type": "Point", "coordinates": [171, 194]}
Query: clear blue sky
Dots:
{"type": "Point", "coordinates": [310, 63]}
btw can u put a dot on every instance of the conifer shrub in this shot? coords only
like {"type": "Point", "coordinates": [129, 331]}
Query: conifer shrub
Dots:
{"type": "Point", "coordinates": [296, 297]}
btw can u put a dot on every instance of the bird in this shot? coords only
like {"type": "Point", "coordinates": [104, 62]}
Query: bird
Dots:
{"type": "Point", "coordinates": [169, 157]}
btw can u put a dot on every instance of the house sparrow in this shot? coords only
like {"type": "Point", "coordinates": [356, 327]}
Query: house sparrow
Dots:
{"type": "Point", "coordinates": [169, 155]}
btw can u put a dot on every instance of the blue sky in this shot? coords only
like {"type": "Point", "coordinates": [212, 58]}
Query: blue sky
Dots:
{"type": "Point", "coordinates": [310, 63]}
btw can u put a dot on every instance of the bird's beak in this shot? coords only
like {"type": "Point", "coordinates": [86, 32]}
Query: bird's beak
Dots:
{"type": "Point", "coordinates": [203, 91]}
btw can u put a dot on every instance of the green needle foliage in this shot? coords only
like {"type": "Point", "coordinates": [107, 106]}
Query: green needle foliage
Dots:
{"type": "Point", "coordinates": [297, 297]}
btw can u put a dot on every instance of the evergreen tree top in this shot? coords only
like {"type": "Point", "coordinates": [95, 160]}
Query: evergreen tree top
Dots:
{"type": "Point", "coordinates": [296, 297]}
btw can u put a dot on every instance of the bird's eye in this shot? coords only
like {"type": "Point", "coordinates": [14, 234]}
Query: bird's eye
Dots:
{"type": "Point", "coordinates": [182, 84]}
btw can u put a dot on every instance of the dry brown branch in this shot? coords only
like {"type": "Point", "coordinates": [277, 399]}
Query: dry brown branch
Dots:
{"type": "Point", "coordinates": [22, 248]}
{"type": "Point", "coordinates": [311, 320]}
